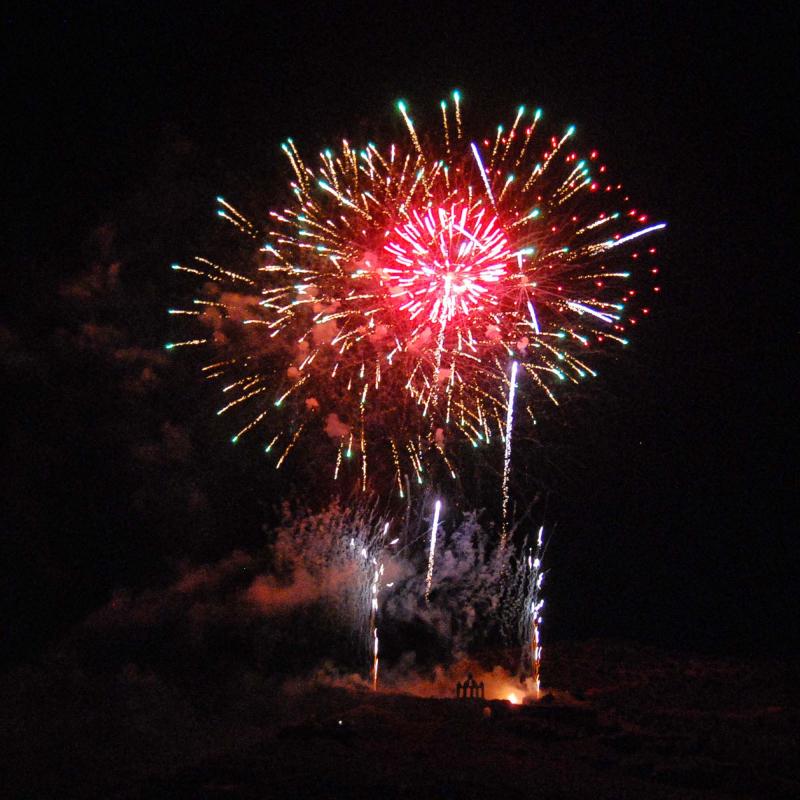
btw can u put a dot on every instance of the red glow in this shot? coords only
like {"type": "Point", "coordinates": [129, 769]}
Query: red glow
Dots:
{"type": "Point", "coordinates": [446, 261]}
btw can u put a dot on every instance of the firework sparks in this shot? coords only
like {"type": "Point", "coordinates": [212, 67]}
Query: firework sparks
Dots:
{"type": "Point", "coordinates": [377, 574]}
{"type": "Point", "coordinates": [531, 617]}
{"type": "Point", "coordinates": [512, 388]}
{"type": "Point", "coordinates": [432, 552]}
{"type": "Point", "coordinates": [401, 282]}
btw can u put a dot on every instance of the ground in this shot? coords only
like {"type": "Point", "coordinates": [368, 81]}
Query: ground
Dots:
{"type": "Point", "coordinates": [624, 721]}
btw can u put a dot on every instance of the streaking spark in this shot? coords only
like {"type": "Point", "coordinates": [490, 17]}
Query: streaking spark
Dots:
{"type": "Point", "coordinates": [432, 550]}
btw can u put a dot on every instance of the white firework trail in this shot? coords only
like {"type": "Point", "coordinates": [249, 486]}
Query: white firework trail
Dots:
{"type": "Point", "coordinates": [432, 552]}
{"type": "Point", "coordinates": [530, 620]}
{"type": "Point", "coordinates": [512, 388]}
{"type": "Point", "coordinates": [345, 548]}
{"type": "Point", "coordinates": [377, 574]}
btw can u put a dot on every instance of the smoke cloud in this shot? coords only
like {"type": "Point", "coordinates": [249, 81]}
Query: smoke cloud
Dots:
{"type": "Point", "coordinates": [305, 599]}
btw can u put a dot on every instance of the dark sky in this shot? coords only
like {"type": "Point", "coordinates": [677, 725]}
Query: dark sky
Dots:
{"type": "Point", "coordinates": [671, 492]}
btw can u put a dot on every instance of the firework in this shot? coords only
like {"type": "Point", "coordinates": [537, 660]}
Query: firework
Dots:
{"type": "Point", "coordinates": [343, 551]}
{"type": "Point", "coordinates": [432, 552]}
{"type": "Point", "coordinates": [392, 295]}
{"type": "Point", "coordinates": [377, 574]}
{"type": "Point", "coordinates": [530, 620]}
{"type": "Point", "coordinates": [507, 454]}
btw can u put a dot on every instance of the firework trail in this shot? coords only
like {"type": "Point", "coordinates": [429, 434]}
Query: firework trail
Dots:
{"type": "Point", "coordinates": [396, 288]}
{"type": "Point", "coordinates": [530, 620]}
{"type": "Point", "coordinates": [432, 552]}
{"type": "Point", "coordinates": [507, 454]}
{"type": "Point", "coordinates": [377, 574]}
{"type": "Point", "coordinates": [519, 582]}
{"type": "Point", "coordinates": [344, 548]}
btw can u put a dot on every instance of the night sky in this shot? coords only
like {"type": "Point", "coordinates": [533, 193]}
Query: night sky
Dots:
{"type": "Point", "coordinates": [669, 488]}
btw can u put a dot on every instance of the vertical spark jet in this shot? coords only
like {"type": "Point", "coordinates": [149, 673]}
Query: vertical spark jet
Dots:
{"type": "Point", "coordinates": [512, 389]}
{"type": "Point", "coordinates": [377, 574]}
{"type": "Point", "coordinates": [373, 621]}
{"type": "Point", "coordinates": [432, 552]}
{"type": "Point", "coordinates": [530, 616]}
{"type": "Point", "coordinates": [537, 577]}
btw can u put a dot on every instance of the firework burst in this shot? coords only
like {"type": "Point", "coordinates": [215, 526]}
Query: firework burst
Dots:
{"type": "Point", "coordinates": [394, 292]}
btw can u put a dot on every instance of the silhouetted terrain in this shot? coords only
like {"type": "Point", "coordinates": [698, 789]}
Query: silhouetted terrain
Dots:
{"type": "Point", "coordinates": [626, 721]}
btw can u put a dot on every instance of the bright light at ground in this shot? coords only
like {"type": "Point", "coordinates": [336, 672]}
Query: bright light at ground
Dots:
{"type": "Point", "coordinates": [513, 699]}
